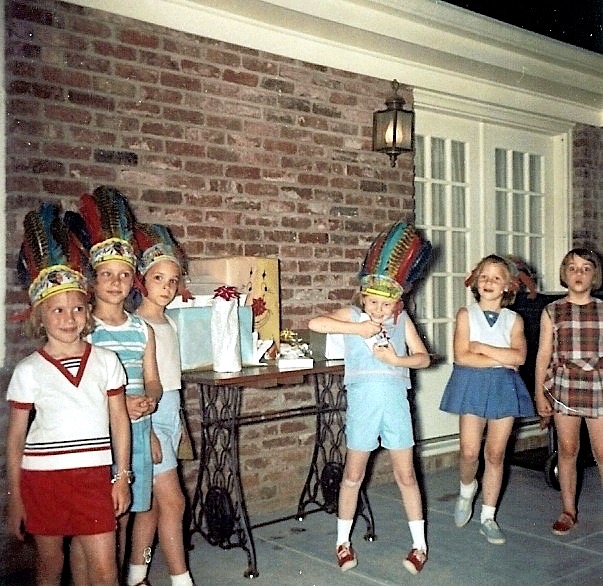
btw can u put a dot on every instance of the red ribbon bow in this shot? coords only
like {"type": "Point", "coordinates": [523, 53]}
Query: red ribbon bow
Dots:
{"type": "Point", "coordinates": [226, 292]}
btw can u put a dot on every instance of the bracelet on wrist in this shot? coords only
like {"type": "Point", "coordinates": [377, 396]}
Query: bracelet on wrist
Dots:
{"type": "Point", "coordinates": [127, 474]}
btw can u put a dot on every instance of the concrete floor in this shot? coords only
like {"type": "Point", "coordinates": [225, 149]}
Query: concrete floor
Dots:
{"type": "Point", "coordinates": [302, 553]}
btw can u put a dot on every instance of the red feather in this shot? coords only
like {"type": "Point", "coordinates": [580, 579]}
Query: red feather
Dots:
{"type": "Point", "coordinates": [411, 254]}
{"type": "Point", "coordinates": [78, 255]}
{"type": "Point", "coordinates": [144, 237]}
{"type": "Point", "coordinates": [92, 218]}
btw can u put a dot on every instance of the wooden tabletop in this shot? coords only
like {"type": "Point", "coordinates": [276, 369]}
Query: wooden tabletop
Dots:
{"type": "Point", "coordinates": [261, 377]}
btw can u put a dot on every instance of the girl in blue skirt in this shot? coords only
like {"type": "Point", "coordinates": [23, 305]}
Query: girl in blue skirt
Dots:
{"type": "Point", "coordinates": [485, 388]}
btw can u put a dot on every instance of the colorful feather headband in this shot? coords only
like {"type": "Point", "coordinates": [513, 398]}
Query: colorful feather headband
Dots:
{"type": "Point", "coordinates": [109, 222]}
{"type": "Point", "coordinates": [49, 262]}
{"type": "Point", "coordinates": [395, 260]}
{"type": "Point", "coordinates": [157, 243]}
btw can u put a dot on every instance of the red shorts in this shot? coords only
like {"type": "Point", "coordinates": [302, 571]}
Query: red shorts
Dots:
{"type": "Point", "coordinates": [68, 502]}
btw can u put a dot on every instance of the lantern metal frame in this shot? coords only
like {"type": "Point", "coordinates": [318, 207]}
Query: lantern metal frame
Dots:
{"type": "Point", "coordinates": [393, 127]}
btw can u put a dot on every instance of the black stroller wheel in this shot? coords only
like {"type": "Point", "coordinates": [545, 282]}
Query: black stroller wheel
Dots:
{"type": "Point", "coordinates": [551, 471]}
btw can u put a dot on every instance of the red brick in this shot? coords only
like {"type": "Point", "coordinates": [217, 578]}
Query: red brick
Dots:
{"type": "Point", "coordinates": [97, 173]}
{"type": "Point", "coordinates": [67, 115]}
{"type": "Point", "coordinates": [67, 151]}
{"type": "Point", "coordinates": [240, 78]}
{"type": "Point", "coordinates": [138, 38]}
{"type": "Point", "coordinates": [181, 81]}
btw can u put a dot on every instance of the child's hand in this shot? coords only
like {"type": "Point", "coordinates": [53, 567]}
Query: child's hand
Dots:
{"type": "Point", "coordinates": [16, 516]}
{"type": "Point", "coordinates": [120, 492]}
{"type": "Point", "coordinates": [137, 406]}
{"type": "Point", "coordinates": [368, 329]}
{"type": "Point", "coordinates": [151, 405]}
{"type": "Point", "coordinates": [386, 354]}
{"type": "Point", "coordinates": [156, 451]}
{"type": "Point", "coordinates": [543, 406]}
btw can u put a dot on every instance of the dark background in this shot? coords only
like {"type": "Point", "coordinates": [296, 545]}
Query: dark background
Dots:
{"type": "Point", "coordinates": [576, 22]}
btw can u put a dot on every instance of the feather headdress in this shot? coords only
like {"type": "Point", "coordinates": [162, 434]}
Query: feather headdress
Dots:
{"type": "Point", "coordinates": [109, 222]}
{"type": "Point", "coordinates": [394, 261]}
{"type": "Point", "coordinates": [47, 262]}
{"type": "Point", "coordinates": [156, 244]}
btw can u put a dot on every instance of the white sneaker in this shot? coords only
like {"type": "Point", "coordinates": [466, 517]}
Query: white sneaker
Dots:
{"type": "Point", "coordinates": [492, 532]}
{"type": "Point", "coordinates": [463, 508]}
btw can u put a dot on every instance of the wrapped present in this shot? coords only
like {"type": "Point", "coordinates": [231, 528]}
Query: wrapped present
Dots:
{"type": "Point", "coordinates": [194, 336]}
{"type": "Point", "coordinates": [225, 337]}
{"type": "Point", "coordinates": [254, 276]}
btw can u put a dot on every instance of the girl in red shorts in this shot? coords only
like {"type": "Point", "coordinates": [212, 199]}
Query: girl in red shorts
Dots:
{"type": "Point", "coordinates": [59, 467]}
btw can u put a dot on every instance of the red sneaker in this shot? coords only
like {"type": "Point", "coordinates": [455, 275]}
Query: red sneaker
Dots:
{"type": "Point", "coordinates": [346, 557]}
{"type": "Point", "coordinates": [564, 524]}
{"type": "Point", "coordinates": [415, 560]}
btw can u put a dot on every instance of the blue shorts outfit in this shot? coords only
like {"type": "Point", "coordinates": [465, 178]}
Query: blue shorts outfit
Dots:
{"type": "Point", "coordinates": [378, 412]}
{"type": "Point", "coordinates": [142, 465]}
{"type": "Point", "coordinates": [166, 425]}
{"type": "Point", "coordinates": [128, 341]}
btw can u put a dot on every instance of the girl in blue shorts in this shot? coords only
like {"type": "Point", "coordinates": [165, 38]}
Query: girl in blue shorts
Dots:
{"type": "Point", "coordinates": [161, 269]}
{"type": "Point", "coordinates": [381, 346]}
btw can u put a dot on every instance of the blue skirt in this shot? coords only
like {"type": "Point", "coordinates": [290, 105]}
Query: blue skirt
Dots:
{"type": "Point", "coordinates": [492, 393]}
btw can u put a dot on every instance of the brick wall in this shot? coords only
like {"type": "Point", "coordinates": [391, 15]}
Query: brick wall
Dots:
{"type": "Point", "coordinates": [588, 187]}
{"type": "Point", "coordinates": [239, 152]}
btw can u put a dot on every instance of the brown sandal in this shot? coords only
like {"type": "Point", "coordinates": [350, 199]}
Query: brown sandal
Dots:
{"type": "Point", "coordinates": [564, 524]}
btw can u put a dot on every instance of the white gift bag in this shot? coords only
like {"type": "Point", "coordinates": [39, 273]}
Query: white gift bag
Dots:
{"type": "Point", "coordinates": [225, 340]}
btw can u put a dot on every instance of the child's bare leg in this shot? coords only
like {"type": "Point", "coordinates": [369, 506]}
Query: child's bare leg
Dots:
{"type": "Point", "coordinates": [595, 432]}
{"type": "Point", "coordinates": [471, 432]}
{"type": "Point", "coordinates": [497, 438]}
{"type": "Point", "coordinates": [144, 527]}
{"type": "Point", "coordinates": [353, 475]}
{"type": "Point", "coordinates": [169, 500]}
{"type": "Point", "coordinates": [99, 554]}
{"type": "Point", "coordinates": [121, 546]}
{"type": "Point", "coordinates": [568, 446]}
{"type": "Point", "coordinates": [404, 475]}
{"type": "Point", "coordinates": [49, 560]}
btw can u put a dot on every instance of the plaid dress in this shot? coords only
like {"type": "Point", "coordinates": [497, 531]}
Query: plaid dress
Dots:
{"type": "Point", "coordinates": [574, 378]}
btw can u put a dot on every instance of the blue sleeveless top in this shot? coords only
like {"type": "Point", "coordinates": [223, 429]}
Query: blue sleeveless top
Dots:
{"type": "Point", "coordinates": [361, 366]}
{"type": "Point", "coordinates": [128, 341]}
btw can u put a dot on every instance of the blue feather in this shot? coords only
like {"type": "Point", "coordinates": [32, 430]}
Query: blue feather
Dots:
{"type": "Point", "coordinates": [75, 223]}
{"type": "Point", "coordinates": [394, 236]}
{"type": "Point", "coordinates": [49, 214]}
{"type": "Point", "coordinates": [420, 263]}
{"type": "Point", "coordinates": [125, 217]}
{"type": "Point", "coordinates": [163, 234]}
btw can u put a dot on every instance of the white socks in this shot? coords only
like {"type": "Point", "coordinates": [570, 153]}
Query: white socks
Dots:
{"type": "Point", "coordinates": [137, 573]}
{"type": "Point", "coordinates": [344, 528]}
{"type": "Point", "coordinates": [417, 532]}
{"type": "Point", "coordinates": [468, 490]}
{"type": "Point", "coordinates": [182, 579]}
{"type": "Point", "coordinates": [488, 512]}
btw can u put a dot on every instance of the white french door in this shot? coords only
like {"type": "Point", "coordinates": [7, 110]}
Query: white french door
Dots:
{"type": "Point", "coordinates": [479, 188]}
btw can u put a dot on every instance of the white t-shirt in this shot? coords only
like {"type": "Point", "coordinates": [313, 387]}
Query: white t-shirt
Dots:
{"type": "Point", "coordinates": [71, 425]}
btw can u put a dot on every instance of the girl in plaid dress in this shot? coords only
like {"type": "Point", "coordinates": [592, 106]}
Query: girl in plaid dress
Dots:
{"type": "Point", "coordinates": [569, 372]}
